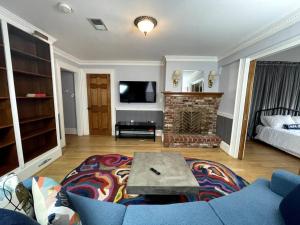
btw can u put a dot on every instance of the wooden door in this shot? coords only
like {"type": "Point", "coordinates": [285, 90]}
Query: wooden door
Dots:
{"type": "Point", "coordinates": [247, 109]}
{"type": "Point", "coordinates": [98, 87]}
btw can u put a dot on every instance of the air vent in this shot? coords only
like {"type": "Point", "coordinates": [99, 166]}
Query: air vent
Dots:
{"type": "Point", "coordinates": [98, 24]}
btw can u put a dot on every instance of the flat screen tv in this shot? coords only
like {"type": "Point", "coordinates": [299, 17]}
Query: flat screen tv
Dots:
{"type": "Point", "coordinates": [137, 91]}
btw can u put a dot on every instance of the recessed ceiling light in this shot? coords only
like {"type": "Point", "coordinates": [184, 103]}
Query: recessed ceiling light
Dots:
{"type": "Point", "coordinates": [145, 23]}
{"type": "Point", "coordinates": [64, 8]}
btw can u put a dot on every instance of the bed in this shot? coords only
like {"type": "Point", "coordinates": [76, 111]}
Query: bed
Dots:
{"type": "Point", "coordinates": [287, 140]}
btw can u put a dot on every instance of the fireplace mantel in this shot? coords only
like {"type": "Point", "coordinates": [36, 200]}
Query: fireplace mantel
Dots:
{"type": "Point", "coordinates": [199, 94]}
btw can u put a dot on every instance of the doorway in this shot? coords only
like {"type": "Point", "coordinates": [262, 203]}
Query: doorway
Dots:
{"type": "Point", "coordinates": [69, 102]}
{"type": "Point", "coordinates": [99, 104]}
{"type": "Point", "coordinates": [271, 102]}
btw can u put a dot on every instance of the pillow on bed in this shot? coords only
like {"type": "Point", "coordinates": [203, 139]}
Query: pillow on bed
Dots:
{"type": "Point", "coordinates": [296, 119]}
{"type": "Point", "coordinates": [277, 121]}
{"type": "Point", "coordinates": [292, 126]}
{"type": "Point", "coordinates": [264, 121]}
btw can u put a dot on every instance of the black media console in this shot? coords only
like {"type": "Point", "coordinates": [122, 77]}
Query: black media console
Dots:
{"type": "Point", "coordinates": [125, 129]}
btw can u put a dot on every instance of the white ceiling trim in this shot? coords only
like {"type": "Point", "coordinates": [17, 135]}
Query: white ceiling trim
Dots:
{"type": "Point", "coordinates": [185, 58]}
{"type": "Point", "coordinates": [66, 55]}
{"type": "Point", "coordinates": [17, 21]}
{"type": "Point", "coordinates": [266, 32]}
{"type": "Point", "coordinates": [80, 62]}
{"type": "Point", "coordinates": [120, 63]}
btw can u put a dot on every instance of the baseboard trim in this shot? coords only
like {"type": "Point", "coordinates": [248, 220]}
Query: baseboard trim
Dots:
{"type": "Point", "coordinates": [32, 167]}
{"type": "Point", "coordinates": [225, 147]}
{"type": "Point", "coordinates": [70, 130]}
{"type": "Point", "coordinates": [159, 133]}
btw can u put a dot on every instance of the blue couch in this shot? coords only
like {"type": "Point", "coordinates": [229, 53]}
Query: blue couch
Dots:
{"type": "Point", "coordinates": [257, 204]}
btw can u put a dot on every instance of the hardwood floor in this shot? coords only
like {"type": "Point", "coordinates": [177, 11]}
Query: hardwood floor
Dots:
{"type": "Point", "coordinates": [260, 159]}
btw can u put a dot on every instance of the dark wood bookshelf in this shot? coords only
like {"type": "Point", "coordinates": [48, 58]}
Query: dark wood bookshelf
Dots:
{"type": "Point", "coordinates": [35, 119]}
{"type": "Point", "coordinates": [5, 144]}
{"type": "Point", "coordinates": [8, 151]}
{"type": "Point", "coordinates": [6, 126]}
{"type": "Point", "coordinates": [35, 98]}
{"type": "Point", "coordinates": [32, 74]}
{"type": "Point", "coordinates": [16, 51]}
{"type": "Point", "coordinates": [25, 73]}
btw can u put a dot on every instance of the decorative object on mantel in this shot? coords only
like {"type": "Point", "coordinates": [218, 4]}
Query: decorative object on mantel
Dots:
{"type": "Point", "coordinates": [211, 78]}
{"type": "Point", "coordinates": [176, 77]}
{"type": "Point", "coordinates": [190, 119]}
{"type": "Point", "coordinates": [145, 23]}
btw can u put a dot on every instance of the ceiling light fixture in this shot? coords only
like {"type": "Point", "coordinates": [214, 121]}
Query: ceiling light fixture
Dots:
{"type": "Point", "coordinates": [145, 23]}
{"type": "Point", "coordinates": [64, 8]}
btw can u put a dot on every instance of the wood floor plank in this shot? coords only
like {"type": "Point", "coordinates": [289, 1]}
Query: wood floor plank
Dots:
{"type": "Point", "coordinates": [260, 159]}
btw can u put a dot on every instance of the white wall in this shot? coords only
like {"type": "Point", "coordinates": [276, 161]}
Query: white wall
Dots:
{"type": "Point", "coordinates": [204, 66]}
{"type": "Point", "coordinates": [291, 55]}
{"type": "Point", "coordinates": [136, 73]}
{"type": "Point", "coordinates": [228, 84]}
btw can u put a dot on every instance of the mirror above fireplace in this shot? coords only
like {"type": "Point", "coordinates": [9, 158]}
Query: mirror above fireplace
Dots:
{"type": "Point", "coordinates": [193, 81]}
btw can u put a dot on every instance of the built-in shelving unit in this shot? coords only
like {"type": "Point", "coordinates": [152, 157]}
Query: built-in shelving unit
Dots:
{"type": "Point", "coordinates": [8, 151]}
{"type": "Point", "coordinates": [31, 64]}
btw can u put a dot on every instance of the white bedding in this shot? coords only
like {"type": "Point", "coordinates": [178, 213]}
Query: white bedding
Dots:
{"type": "Point", "coordinates": [286, 140]}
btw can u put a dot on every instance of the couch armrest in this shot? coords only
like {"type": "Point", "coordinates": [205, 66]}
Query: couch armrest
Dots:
{"type": "Point", "coordinates": [283, 182]}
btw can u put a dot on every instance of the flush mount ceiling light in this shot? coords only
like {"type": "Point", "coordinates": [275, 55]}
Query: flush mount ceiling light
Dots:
{"type": "Point", "coordinates": [64, 8]}
{"type": "Point", "coordinates": [145, 23]}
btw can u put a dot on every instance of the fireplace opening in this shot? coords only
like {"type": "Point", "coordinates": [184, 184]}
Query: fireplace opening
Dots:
{"type": "Point", "coordinates": [191, 121]}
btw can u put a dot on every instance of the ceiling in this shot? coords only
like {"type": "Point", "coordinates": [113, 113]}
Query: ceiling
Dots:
{"type": "Point", "coordinates": [185, 27]}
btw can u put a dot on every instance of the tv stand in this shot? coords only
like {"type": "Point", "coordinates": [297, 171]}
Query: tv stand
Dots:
{"type": "Point", "coordinates": [126, 129]}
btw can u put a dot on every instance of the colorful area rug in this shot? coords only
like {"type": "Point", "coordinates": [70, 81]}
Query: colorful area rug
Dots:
{"type": "Point", "coordinates": [104, 177]}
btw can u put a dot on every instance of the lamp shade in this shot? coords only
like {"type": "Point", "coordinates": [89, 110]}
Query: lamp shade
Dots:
{"type": "Point", "coordinates": [145, 26]}
{"type": "Point", "coordinates": [145, 23]}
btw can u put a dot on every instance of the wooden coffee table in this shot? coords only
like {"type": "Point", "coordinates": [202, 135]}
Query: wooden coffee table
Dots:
{"type": "Point", "coordinates": [175, 176]}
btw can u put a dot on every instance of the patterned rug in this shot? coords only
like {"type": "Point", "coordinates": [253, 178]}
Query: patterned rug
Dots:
{"type": "Point", "coordinates": [104, 177]}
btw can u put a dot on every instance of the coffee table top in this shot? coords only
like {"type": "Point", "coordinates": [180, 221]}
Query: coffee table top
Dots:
{"type": "Point", "coordinates": [175, 175]}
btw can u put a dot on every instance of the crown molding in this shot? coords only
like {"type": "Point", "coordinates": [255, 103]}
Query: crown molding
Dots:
{"type": "Point", "coordinates": [265, 32]}
{"type": "Point", "coordinates": [185, 58]}
{"type": "Point", "coordinates": [58, 51]}
{"type": "Point", "coordinates": [80, 62]}
{"type": "Point", "coordinates": [17, 21]}
{"type": "Point", "coordinates": [120, 63]}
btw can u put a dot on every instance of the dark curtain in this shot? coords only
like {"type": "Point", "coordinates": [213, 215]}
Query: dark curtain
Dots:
{"type": "Point", "coordinates": [276, 84]}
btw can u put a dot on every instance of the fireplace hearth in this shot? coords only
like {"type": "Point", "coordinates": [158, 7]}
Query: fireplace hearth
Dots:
{"type": "Point", "coordinates": [190, 119]}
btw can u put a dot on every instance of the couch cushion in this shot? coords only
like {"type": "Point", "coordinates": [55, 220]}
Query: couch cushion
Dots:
{"type": "Point", "coordinates": [253, 205]}
{"type": "Point", "coordinates": [193, 213]}
{"type": "Point", "coordinates": [95, 212]}
{"type": "Point", "coordinates": [290, 206]}
{"type": "Point", "coordinates": [9, 217]}
{"type": "Point", "coordinates": [283, 182]}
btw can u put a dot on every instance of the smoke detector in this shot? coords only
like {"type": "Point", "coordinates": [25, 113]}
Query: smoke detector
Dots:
{"type": "Point", "coordinates": [97, 24]}
{"type": "Point", "coordinates": [64, 8]}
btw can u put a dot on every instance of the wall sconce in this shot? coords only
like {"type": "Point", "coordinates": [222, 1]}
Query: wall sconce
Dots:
{"type": "Point", "coordinates": [211, 78]}
{"type": "Point", "coordinates": [176, 77]}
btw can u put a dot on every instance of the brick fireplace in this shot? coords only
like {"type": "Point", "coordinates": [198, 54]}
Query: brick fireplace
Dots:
{"type": "Point", "coordinates": [190, 119]}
